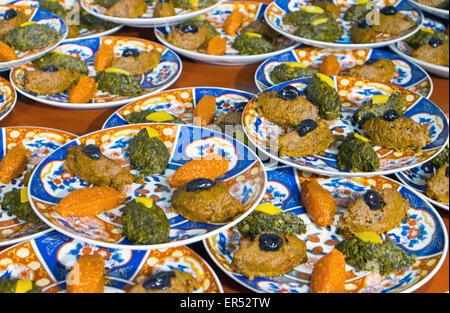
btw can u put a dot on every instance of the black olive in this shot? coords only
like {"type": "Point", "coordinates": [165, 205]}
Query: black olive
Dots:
{"type": "Point", "coordinates": [50, 68]}
{"type": "Point", "coordinates": [435, 42]}
{"type": "Point", "coordinates": [200, 184]}
{"type": "Point", "coordinates": [270, 242]}
{"type": "Point", "coordinates": [189, 28]}
{"type": "Point", "coordinates": [305, 127]}
{"type": "Point", "coordinates": [240, 107]}
{"type": "Point", "coordinates": [128, 52]}
{"type": "Point", "coordinates": [9, 14]}
{"type": "Point", "coordinates": [446, 172]}
{"type": "Point", "coordinates": [362, 23]}
{"type": "Point", "coordinates": [288, 93]}
{"type": "Point", "coordinates": [370, 61]}
{"type": "Point", "coordinates": [92, 151]}
{"type": "Point", "coordinates": [388, 10]}
{"type": "Point", "coordinates": [390, 115]}
{"type": "Point", "coordinates": [162, 1]}
{"type": "Point", "coordinates": [373, 200]}
{"type": "Point", "coordinates": [160, 281]}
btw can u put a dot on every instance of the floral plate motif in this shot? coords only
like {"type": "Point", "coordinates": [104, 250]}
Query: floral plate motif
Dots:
{"type": "Point", "coordinates": [424, 235]}
{"type": "Point", "coordinates": [404, 50]}
{"type": "Point", "coordinates": [8, 98]}
{"type": "Point", "coordinates": [41, 17]}
{"type": "Point", "coordinates": [409, 75]}
{"type": "Point", "coordinates": [47, 260]}
{"type": "Point", "coordinates": [39, 142]}
{"type": "Point", "coordinates": [279, 8]}
{"type": "Point", "coordinates": [146, 20]}
{"type": "Point", "coordinates": [165, 74]}
{"type": "Point", "coordinates": [50, 183]}
{"type": "Point", "coordinates": [432, 10]}
{"type": "Point", "coordinates": [180, 103]}
{"type": "Point", "coordinates": [217, 17]}
{"type": "Point", "coordinates": [354, 92]}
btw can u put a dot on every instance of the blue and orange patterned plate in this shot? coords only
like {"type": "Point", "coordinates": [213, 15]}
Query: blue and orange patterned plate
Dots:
{"type": "Point", "coordinates": [41, 17]}
{"type": "Point", "coordinates": [409, 75]}
{"type": "Point", "coordinates": [50, 183]}
{"type": "Point", "coordinates": [39, 142]}
{"type": "Point", "coordinates": [279, 8]}
{"type": "Point", "coordinates": [8, 98]}
{"type": "Point", "coordinates": [47, 260]}
{"type": "Point", "coordinates": [252, 11]}
{"type": "Point", "coordinates": [354, 92]}
{"type": "Point", "coordinates": [181, 103]}
{"type": "Point", "coordinates": [443, 13]}
{"type": "Point", "coordinates": [165, 74]}
{"type": "Point", "coordinates": [424, 235]}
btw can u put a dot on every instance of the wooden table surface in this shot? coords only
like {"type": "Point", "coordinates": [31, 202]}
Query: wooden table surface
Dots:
{"type": "Point", "coordinates": [79, 122]}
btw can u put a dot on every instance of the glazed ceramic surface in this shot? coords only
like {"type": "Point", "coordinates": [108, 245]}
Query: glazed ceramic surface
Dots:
{"type": "Point", "coordinates": [75, 7]}
{"type": "Point", "coordinates": [146, 20]}
{"type": "Point", "coordinates": [279, 8]}
{"type": "Point", "coordinates": [404, 50]}
{"type": "Point", "coordinates": [424, 235]}
{"type": "Point", "coordinates": [41, 17]}
{"type": "Point", "coordinates": [432, 10]}
{"type": "Point", "coordinates": [354, 92]}
{"type": "Point", "coordinates": [217, 17]}
{"type": "Point", "coordinates": [39, 142]}
{"type": "Point", "coordinates": [161, 77]}
{"type": "Point", "coordinates": [47, 260]}
{"type": "Point", "coordinates": [8, 98]}
{"type": "Point", "coordinates": [181, 103]}
{"type": "Point", "coordinates": [50, 183]}
{"type": "Point", "coordinates": [409, 75]}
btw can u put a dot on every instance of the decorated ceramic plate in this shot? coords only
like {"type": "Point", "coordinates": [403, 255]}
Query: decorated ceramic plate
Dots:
{"type": "Point", "coordinates": [38, 142]}
{"type": "Point", "coordinates": [432, 10]}
{"type": "Point", "coordinates": [147, 20]}
{"type": "Point", "coordinates": [252, 11]}
{"type": "Point", "coordinates": [161, 77]}
{"type": "Point", "coordinates": [8, 98]}
{"type": "Point", "coordinates": [50, 183]}
{"type": "Point", "coordinates": [353, 92]}
{"type": "Point", "coordinates": [95, 28]}
{"type": "Point", "coordinates": [409, 75]}
{"type": "Point", "coordinates": [47, 260]}
{"type": "Point", "coordinates": [41, 17]}
{"type": "Point", "coordinates": [181, 103]}
{"type": "Point", "coordinates": [424, 235]}
{"type": "Point", "coordinates": [404, 50]}
{"type": "Point", "coordinates": [279, 8]}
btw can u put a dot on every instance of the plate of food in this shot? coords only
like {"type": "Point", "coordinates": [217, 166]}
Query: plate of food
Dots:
{"type": "Point", "coordinates": [235, 32]}
{"type": "Point", "coordinates": [345, 126]}
{"type": "Point", "coordinates": [80, 23]}
{"type": "Point", "coordinates": [372, 64]}
{"type": "Point", "coordinates": [22, 149]}
{"type": "Point", "coordinates": [98, 73]}
{"type": "Point", "coordinates": [27, 33]}
{"type": "Point", "coordinates": [50, 263]}
{"type": "Point", "coordinates": [435, 7]}
{"type": "Point", "coordinates": [141, 13]}
{"type": "Point", "coordinates": [315, 234]}
{"type": "Point", "coordinates": [354, 24]}
{"type": "Point", "coordinates": [430, 179]}
{"type": "Point", "coordinates": [8, 98]}
{"type": "Point", "coordinates": [429, 48]}
{"type": "Point", "coordinates": [91, 188]}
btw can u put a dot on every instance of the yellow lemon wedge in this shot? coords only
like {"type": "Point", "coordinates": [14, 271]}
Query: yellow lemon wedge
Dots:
{"type": "Point", "coordinates": [326, 79]}
{"type": "Point", "coordinates": [116, 70]}
{"type": "Point", "coordinates": [427, 30]}
{"type": "Point", "coordinates": [362, 1]}
{"type": "Point", "coordinates": [145, 201]}
{"type": "Point", "coordinates": [194, 3]}
{"type": "Point", "coordinates": [320, 21]}
{"type": "Point", "coordinates": [24, 195]}
{"type": "Point", "coordinates": [268, 208]}
{"type": "Point", "coordinates": [27, 23]}
{"type": "Point", "coordinates": [253, 34]}
{"type": "Point", "coordinates": [377, 99]}
{"type": "Point", "coordinates": [151, 132]}
{"type": "Point", "coordinates": [368, 236]}
{"type": "Point", "coordinates": [23, 286]}
{"type": "Point", "coordinates": [361, 137]}
{"type": "Point", "coordinates": [312, 9]}
{"type": "Point", "coordinates": [295, 64]}
{"type": "Point", "coordinates": [160, 116]}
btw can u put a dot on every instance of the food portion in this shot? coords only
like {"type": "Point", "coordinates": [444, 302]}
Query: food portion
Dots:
{"type": "Point", "coordinates": [378, 106]}
{"type": "Point", "coordinates": [363, 32]}
{"type": "Point", "coordinates": [144, 222]}
{"type": "Point", "coordinates": [87, 275]}
{"type": "Point", "coordinates": [356, 154]}
{"type": "Point", "coordinates": [13, 163]}
{"type": "Point", "coordinates": [136, 62]}
{"type": "Point", "coordinates": [173, 281]}
{"type": "Point", "coordinates": [441, 159]}
{"type": "Point", "coordinates": [430, 46]}
{"type": "Point", "coordinates": [163, 8]}
{"type": "Point", "coordinates": [318, 202]}
{"type": "Point", "coordinates": [368, 252]}
{"type": "Point", "coordinates": [437, 185]}
{"type": "Point", "coordinates": [359, 10]}
{"type": "Point", "coordinates": [322, 93]}
{"type": "Point", "coordinates": [375, 211]}
{"type": "Point", "coordinates": [60, 60]}
{"type": "Point", "coordinates": [16, 285]}
{"type": "Point", "coordinates": [18, 204]}
{"type": "Point", "coordinates": [328, 275]}
{"type": "Point", "coordinates": [150, 116]}
{"type": "Point", "coordinates": [289, 71]}
{"type": "Point", "coordinates": [252, 43]}
{"type": "Point", "coordinates": [392, 22]}
{"type": "Point", "coordinates": [382, 70]}
{"type": "Point", "coordinates": [191, 36]}
{"type": "Point", "coordinates": [118, 82]}
{"type": "Point", "coordinates": [205, 111]}
{"type": "Point", "coordinates": [30, 36]}
{"type": "Point", "coordinates": [124, 8]}
{"type": "Point", "coordinates": [50, 81]}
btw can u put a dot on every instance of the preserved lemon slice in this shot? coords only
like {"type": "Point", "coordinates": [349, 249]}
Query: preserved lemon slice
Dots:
{"type": "Point", "coordinates": [145, 201]}
{"type": "Point", "coordinates": [194, 3]}
{"type": "Point", "coordinates": [27, 23]}
{"type": "Point", "coordinates": [320, 21]}
{"type": "Point", "coordinates": [362, 1]}
{"type": "Point", "coordinates": [116, 70]}
{"type": "Point", "coordinates": [268, 208]}
{"type": "Point", "coordinates": [24, 195]}
{"type": "Point", "coordinates": [151, 132]}
{"type": "Point", "coordinates": [312, 9]}
{"type": "Point", "coordinates": [160, 116]}
{"type": "Point", "coordinates": [361, 137]}
{"type": "Point", "coordinates": [253, 34]}
{"type": "Point", "coordinates": [23, 285]}
{"type": "Point", "coordinates": [368, 236]}
{"type": "Point", "coordinates": [295, 64]}
{"type": "Point", "coordinates": [326, 79]}
{"type": "Point", "coordinates": [427, 30]}
{"type": "Point", "coordinates": [380, 99]}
